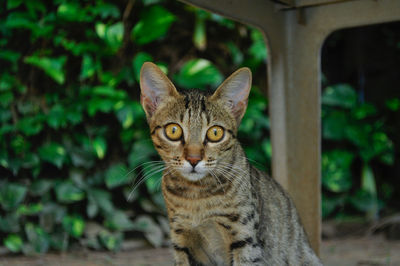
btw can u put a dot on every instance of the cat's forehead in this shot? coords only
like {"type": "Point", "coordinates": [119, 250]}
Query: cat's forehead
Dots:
{"type": "Point", "coordinates": [193, 105]}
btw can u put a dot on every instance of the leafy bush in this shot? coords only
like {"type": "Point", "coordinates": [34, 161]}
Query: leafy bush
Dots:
{"type": "Point", "coordinates": [74, 140]}
{"type": "Point", "coordinates": [356, 139]}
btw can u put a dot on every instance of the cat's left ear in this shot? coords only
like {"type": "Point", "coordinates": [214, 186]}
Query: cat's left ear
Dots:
{"type": "Point", "coordinates": [155, 88]}
{"type": "Point", "coordinates": [234, 92]}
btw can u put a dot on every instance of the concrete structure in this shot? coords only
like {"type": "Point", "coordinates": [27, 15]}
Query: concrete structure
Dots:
{"type": "Point", "coordinates": [295, 31]}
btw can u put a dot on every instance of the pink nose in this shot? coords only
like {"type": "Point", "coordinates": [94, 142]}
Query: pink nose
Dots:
{"type": "Point", "coordinates": [193, 160]}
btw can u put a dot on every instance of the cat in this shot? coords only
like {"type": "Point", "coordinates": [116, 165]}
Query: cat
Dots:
{"type": "Point", "coordinates": [221, 209]}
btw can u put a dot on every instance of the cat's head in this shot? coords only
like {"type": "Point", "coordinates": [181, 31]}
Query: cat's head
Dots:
{"type": "Point", "coordinates": [194, 132]}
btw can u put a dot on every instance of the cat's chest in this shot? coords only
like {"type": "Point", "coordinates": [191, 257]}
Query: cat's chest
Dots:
{"type": "Point", "coordinates": [198, 212]}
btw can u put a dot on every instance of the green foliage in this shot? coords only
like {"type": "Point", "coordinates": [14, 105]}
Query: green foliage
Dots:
{"type": "Point", "coordinates": [52, 66]}
{"type": "Point", "coordinates": [363, 136]}
{"type": "Point", "coordinates": [13, 243]}
{"type": "Point", "coordinates": [76, 158]}
{"type": "Point", "coordinates": [198, 73]}
{"type": "Point", "coordinates": [154, 23]}
{"type": "Point", "coordinates": [336, 172]}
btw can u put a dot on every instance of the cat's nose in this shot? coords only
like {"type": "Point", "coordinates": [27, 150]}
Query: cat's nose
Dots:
{"type": "Point", "coordinates": [193, 160]}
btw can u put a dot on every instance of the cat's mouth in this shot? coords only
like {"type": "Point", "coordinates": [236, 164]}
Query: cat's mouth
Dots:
{"type": "Point", "coordinates": [193, 173]}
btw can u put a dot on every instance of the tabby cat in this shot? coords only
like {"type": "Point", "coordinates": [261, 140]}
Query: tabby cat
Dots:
{"type": "Point", "coordinates": [222, 210]}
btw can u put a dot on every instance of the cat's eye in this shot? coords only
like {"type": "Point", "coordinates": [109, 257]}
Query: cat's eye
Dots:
{"type": "Point", "coordinates": [173, 131]}
{"type": "Point", "coordinates": [215, 133]}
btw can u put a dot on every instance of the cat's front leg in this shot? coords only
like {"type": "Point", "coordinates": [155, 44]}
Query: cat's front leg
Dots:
{"type": "Point", "coordinates": [181, 256]}
{"type": "Point", "coordinates": [247, 252]}
{"type": "Point", "coordinates": [181, 244]}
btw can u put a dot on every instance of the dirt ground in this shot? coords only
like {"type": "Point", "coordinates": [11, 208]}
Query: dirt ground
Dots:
{"type": "Point", "coordinates": [365, 251]}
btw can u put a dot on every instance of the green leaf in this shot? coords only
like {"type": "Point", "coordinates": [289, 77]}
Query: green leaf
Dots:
{"type": "Point", "coordinates": [373, 144]}
{"type": "Point", "coordinates": [152, 231]}
{"type": "Point", "coordinates": [119, 221]}
{"type": "Point", "coordinates": [154, 23]}
{"type": "Point", "coordinates": [335, 125]}
{"type": "Point", "coordinates": [111, 241]}
{"type": "Point", "coordinates": [393, 104]}
{"type": "Point", "coordinates": [117, 175]}
{"type": "Point", "coordinates": [39, 240]}
{"type": "Point", "coordinates": [341, 95]}
{"type": "Point", "coordinates": [51, 215]}
{"type": "Point", "coordinates": [72, 11]}
{"type": "Point", "coordinates": [57, 117]}
{"type": "Point", "coordinates": [31, 209]}
{"type": "Point", "coordinates": [336, 171]}
{"type": "Point", "coordinates": [10, 223]}
{"type": "Point", "coordinates": [40, 187]}
{"type": "Point", "coordinates": [126, 115]}
{"type": "Point", "coordinates": [52, 66]}
{"type": "Point", "coordinates": [199, 33]}
{"type": "Point", "coordinates": [11, 195]}
{"type": "Point", "coordinates": [363, 111]}
{"type": "Point", "coordinates": [13, 243]}
{"type": "Point", "coordinates": [20, 144]}
{"type": "Point", "coordinates": [13, 4]}
{"type": "Point", "coordinates": [10, 55]}
{"type": "Point", "coordinates": [99, 104]}
{"type": "Point", "coordinates": [100, 147]}
{"type": "Point", "coordinates": [105, 10]}
{"type": "Point", "coordinates": [236, 53]}
{"type": "Point", "coordinates": [30, 125]}
{"type": "Point", "coordinates": [88, 68]}
{"type": "Point", "coordinates": [329, 204]}
{"type": "Point", "coordinates": [138, 61]}
{"type": "Point", "coordinates": [59, 241]}
{"type": "Point", "coordinates": [101, 199]}
{"type": "Point", "coordinates": [198, 73]}
{"type": "Point", "coordinates": [74, 225]}
{"type": "Point", "coordinates": [67, 192]}
{"type": "Point", "coordinates": [53, 153]}
{"type": "Point", "coordinates": [30, 160]}
{"type": "Point", "coordinates": [258, 49]}
{"type": "Point", "coordinates": [111, 34]}
{"type": "Point", "coordinates": [109, 91]}
{"type": "Point", "coordinates": [20, 20]}
{"type": "Point", "coordinates": [91, 208]}
{"type": "Point", "coordinates": [369, 186]}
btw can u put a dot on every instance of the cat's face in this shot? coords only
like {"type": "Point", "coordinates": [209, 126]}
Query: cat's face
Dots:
{"type": "Point", "coordinates": [194, 132]}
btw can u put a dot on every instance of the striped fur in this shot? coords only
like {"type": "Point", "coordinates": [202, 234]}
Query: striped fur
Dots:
{"type": "Point", "coordinates": [231, 213]}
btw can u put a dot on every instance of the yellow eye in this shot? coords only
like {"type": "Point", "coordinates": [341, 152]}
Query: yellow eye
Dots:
{"type": "Point", "coordinates": [173, 131]}
{"type": "Point", "coordinates": [215, 133]}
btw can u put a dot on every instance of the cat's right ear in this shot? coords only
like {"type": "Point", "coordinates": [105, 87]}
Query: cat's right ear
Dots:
{"type": "Point", "coordinates": [234, 92]}
{"type": "Point", "coordinates": [155, 87]}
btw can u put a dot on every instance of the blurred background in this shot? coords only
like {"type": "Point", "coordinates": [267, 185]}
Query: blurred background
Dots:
{"type": "Point", "coordinates": [76, 157]}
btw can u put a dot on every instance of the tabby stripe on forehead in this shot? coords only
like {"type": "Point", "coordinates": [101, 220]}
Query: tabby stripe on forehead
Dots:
{"type": "Point", "coordinates": [203, 105]}
{"type": "Point", "coordinates": [186, 102]}
{"type": "Point", "coordinates": [204, 110]}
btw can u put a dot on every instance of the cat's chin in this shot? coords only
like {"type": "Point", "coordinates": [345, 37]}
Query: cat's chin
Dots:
{"type": "Point", "coordinates": [193, 176]}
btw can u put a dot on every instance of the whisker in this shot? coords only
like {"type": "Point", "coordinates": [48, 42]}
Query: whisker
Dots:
{"type": "Point", "coordinates": [146, 176]}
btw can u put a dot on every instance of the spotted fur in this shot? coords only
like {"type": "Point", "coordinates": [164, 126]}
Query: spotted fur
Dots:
{"type": "Point", "coordinates": [223, 211]}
